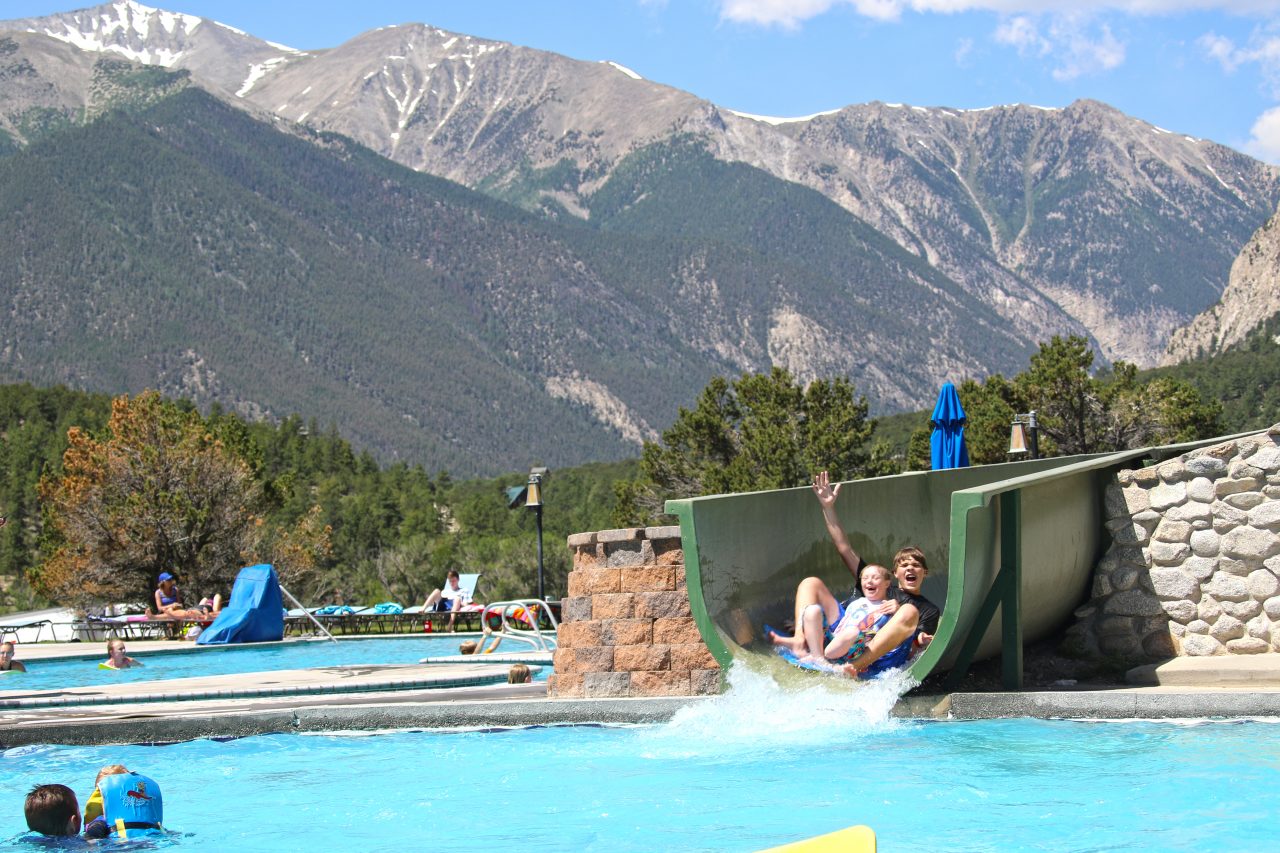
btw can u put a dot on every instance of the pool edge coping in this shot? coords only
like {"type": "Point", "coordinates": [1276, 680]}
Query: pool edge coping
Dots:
{"type": "Point", "coordinates": [375, 715]}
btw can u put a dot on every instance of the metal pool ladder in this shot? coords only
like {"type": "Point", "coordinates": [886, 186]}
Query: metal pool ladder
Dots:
{"type": "Point", "coordinates": [514, 626]}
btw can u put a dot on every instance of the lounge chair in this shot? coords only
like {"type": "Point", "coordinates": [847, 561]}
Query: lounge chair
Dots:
{"type": "Point", "coordinates": [9, 633]}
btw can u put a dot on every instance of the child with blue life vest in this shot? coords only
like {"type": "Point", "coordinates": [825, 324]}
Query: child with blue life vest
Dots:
{"type": "Point", "coordinates": [93, 805]}
{"type": "Point", "coordinates": [124, 804]}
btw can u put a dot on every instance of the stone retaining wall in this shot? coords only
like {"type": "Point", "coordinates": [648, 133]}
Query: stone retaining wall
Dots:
{"type": "Point", "coordinates": [1194, 566]}
{"type": "Point", "coordinates": [626, 627]}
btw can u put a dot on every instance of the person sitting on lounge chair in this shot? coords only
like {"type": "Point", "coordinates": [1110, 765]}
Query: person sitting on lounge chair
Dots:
{"type": "Point", "coordinates": [450, 599]}
{"type": "Point", "coordinates": [169, 603]}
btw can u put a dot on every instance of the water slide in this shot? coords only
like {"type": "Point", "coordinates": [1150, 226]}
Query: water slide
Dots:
{"type": "Point", "coordinates": [1011, 551]}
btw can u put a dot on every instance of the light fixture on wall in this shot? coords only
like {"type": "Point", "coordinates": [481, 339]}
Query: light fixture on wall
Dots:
{"type": "Point", "coordinates": [1024, 436]}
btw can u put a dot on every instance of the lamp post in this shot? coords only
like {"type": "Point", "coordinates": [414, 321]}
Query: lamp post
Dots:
{"type": "Point", "coordinates": [530, 494]}
{"type": "Point", "coordinates": [533, 500]}
{"type": "Point", "coordinates": [1024, 436]}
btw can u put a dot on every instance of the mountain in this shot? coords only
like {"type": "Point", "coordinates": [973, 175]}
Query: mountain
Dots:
{"type": "Point", "coordinates": [189, 247]}
{"type": "Point", "coordinates": [251, 239]}
{"type": "Point", "coordinates": [1250, 299]}
{"type": "Point", "coordinates": [176, 242]}
{"type": "Point", "coordinates": [1079, 220]}
{"type": "Point", "coordinates": [222, 56]}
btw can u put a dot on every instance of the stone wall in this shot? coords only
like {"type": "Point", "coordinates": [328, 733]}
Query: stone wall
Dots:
{"type": "Point", "coordinates": [1194, 567]}
{"type": "Point", "coordinates": [626, 627]}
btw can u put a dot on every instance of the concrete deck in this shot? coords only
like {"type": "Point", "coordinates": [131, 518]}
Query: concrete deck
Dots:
{"type": "Point", "coordinates": [1260, 672]}
{"type": "Point", "coordinates": [372, 698]}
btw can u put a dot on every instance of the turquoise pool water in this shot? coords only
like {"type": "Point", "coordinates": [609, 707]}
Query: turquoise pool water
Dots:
{"type": "Point", "coordinates": [222, 660]}
{"type": "Point", "coordinates": [754, 768]}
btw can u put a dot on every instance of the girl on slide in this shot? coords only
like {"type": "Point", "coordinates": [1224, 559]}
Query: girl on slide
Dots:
{"type": "Point", "coordinates": [862, 617]}
{"type": "Point", "coordinates": [848, 637]}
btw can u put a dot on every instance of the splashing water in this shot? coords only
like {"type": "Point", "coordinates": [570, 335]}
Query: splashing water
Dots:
{"type": "Point", "coordinates": [757, 713]}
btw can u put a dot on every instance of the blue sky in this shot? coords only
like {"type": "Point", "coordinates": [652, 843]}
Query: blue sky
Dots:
{"type": "Point", "coordinates": [1208, 68]}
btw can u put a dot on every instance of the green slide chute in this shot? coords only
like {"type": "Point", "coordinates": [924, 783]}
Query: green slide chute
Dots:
{"type": "Point", "coordinates": [1011, 551]}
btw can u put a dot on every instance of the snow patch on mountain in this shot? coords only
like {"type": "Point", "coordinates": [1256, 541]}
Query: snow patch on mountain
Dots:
{"type": "Point", "coordinates": [624, 69]}
{"type": "Point", "coordinates": [123, 28]}
{"type": "Point", "coordinates": [774, 120]}
{"type": "Point", "coordinates": [257, 72]}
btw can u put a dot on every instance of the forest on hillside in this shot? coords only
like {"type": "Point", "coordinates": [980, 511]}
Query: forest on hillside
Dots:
{"type": "Point", "coordinates": [395, 529]}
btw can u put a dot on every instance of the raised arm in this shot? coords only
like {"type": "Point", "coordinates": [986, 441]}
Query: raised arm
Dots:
{"type": "Point", "coordinates": [827, 493]}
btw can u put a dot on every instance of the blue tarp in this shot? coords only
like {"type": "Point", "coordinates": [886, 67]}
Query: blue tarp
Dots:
{"type": "Point", "coordinates": [255, 613]}
{"type": "Point", "coordinates": [948, 420]}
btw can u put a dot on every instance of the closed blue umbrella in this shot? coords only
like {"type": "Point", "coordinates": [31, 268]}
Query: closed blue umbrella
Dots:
{"type": "Point", "coordinates": [947, 442]}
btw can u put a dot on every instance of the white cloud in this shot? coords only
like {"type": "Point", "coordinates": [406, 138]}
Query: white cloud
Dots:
{"type": "Point", "coordinates": [1263, 50]}
{"type": "Point", "coordinates": [784, 13]}
{"type": "Point", "coordinates": [1074, 48]}
{"type": "Point", "coordinates": [1220, 49]}
{"type": "Point", "coordinates": [1021, 33]}
{"type": "Point", "coordinates": [1264, 142]}
{"type": "Point", "coordinates": [792, 13]}
{"type": "Point", "coordinates": [963, 49]}
{"type": "Point", "coordinates": [1080, 52]}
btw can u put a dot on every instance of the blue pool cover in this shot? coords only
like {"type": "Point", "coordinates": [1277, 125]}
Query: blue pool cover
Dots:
{"type": "Point", "coordinates": [255, 613]}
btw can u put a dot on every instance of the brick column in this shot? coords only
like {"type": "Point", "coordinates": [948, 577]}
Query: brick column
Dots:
{"type": "Point", "coordinates": [626, 628]}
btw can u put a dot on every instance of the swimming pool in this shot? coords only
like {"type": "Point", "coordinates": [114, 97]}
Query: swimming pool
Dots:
{"type": "Point", "coordinates": [223, 660]}
{"type": "Point", "coordinates": [746, 770]}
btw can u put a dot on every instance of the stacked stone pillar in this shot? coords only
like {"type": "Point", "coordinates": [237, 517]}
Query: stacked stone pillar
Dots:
{"type": "Point", "coordinates": [1194, 566]}
{"type": "Point", "coordinates": [626, 627]}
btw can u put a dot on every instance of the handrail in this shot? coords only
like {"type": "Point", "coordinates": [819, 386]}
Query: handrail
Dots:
{"type": "Point", "coordinates": [532, 635]}
{"type": "Point", "coordinates": [310, 615]}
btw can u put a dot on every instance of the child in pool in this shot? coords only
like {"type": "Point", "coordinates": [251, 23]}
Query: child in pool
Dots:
{"type": "Point", "coordinates": [472, 647]}
{"type": "Point", "coordinates": [52, 810]}
{"type": "Point", "coordinates": [6, 659]}
{"type": "Point", "coordinates": [95, 823]}
{"type": "Point", "coordinates": [116, 658]}
{"type": "Point", "coordinates": [519, 674]}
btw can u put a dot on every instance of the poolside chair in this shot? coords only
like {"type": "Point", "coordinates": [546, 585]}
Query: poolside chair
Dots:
{"type": "Point", "coordinates": [336, 618]}
{"type": "Point", "coordinates": [9, 633]}
{"type": "Point", "coordinates": [468, 618]}
{"type": "Point", "coordinates": [378, 619]}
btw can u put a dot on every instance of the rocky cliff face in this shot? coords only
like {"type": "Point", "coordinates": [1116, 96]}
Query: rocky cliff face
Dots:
{"type": "Point", "coordinates": [1251, 297]}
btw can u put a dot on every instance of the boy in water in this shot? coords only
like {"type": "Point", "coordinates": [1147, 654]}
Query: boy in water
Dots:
{"type": "Point", "coordinates": [52, 810]}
